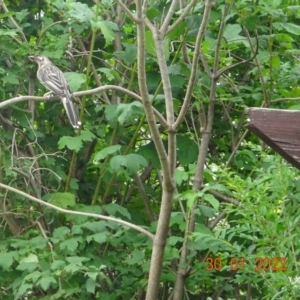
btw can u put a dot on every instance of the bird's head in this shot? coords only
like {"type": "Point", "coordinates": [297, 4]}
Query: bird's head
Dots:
{"type": "Point", "coordinates": [39, 59]}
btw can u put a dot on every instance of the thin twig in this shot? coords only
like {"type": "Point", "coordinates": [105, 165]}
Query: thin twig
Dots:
{"type": "Point", "coordinates": [225, 69]}
{"type": "Point", "coordinates": [144, 197]}
{"type": "Point", "coordinates": [44, 31]}
{"type": "Point", "coordinates": [236, 148]}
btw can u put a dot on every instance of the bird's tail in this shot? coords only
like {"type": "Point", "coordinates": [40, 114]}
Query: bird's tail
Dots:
{"type": "Point", "coordinates": [71, 110]}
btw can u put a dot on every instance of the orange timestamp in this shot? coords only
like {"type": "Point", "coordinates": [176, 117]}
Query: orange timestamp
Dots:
{"type": "Point", "coordinates": [261, 264]}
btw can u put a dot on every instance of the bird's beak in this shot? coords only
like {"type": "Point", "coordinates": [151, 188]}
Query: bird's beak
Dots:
{"type": "Point", "coordinates": [31, 58]}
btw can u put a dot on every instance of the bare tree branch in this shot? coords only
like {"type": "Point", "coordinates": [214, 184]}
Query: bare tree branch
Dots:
{"type": "Point", "coordinates": [194, 71]}
{"type": "Point", "coordinates": [88, 92]}
{"type": "Point", "coordinates": [162, 62]}
{"type": "Point", "coordinates": [146, 100]}
{"type": "Point", "coordinates": [78, 213]}
{"type": "Point", "coordinates": [182, 16]}
{"type": "Point", "coordinates": [168, 17]}
{"type": "Point", "coordinates": [225, 69]}
{"type": "Point", "coordinates": [168, 182]}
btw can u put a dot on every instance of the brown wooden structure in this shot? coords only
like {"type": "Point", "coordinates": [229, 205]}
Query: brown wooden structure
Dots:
{"type": "Point", "coordinates": [280, 129]}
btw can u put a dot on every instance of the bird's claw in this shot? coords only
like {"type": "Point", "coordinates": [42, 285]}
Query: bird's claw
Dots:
{"type": "Point", "coordinates": [49, 95]}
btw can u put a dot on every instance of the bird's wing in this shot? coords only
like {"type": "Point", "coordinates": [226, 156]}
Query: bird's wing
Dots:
{"type": "Point", "coordinates": [53, 79]}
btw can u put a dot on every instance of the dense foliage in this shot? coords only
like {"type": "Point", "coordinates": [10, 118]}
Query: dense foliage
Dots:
{"type": "Point", "coordinates": [209, 211]}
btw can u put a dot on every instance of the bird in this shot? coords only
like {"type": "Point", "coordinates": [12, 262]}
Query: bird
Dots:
{"type": "Point", "coordinates": [53, 79]}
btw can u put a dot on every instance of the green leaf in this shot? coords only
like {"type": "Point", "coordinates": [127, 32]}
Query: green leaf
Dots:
{"type": "Point", "coordinates": [202, 241]}
{"type": "Point", "coordinates": [136, 257]}
{"type": "Point", "coordinates": [80, 12]}
{"type": "Point", "coordinates": [132, 162]}
{"type": "Point", "coordinates": [71, 244]}
{"type": "Point", "coordinates": [100, 237]}
{"type": "Point", "coordinates": [232, 31]}
{"type": "Point", "coordinates": [10, 78]}
{"type": "Point", "coordinates": [22, 290]}
{"type": "Point", "coordinates": [74, 184]}
{"type": "Point", "coordinates": [61, 232]}
{"type": "Point", "coordinates": [7, 258]}
{"type": "Point", "coordinates": [275, 61]}
{"type": "Point", "coordinates": [107, 28]}
{"type": "Point", "coordinates": [212, 200]}
{"type": "Point", "coordinates": [149, 152]}
{"type": "Point", "coordinates": [91, 285]}
{"type": "Point", "coordinates": [191, 196]}
{"type": "Point", "coordinates": [106, 151]}
{"type": "Point", "coordinates": [63, 200]}
{"type": "Point", "coordinates": [179, 30]}
{"type": "Point", "coordinates": [108, 3]}
{"type": "Point", "coordinates": [129, 55]}
{"type": "Point", "coordinates": [110, 73]}
{"type": "Point", "coordinates": [152, 12]}
{"type": "Point", "coordinates": [30, 258]}
{"type": "Point", "coordinates": [74, 268]}
{"type": "Point", "coordinates": [173, 240]}
{"type": "Point", "coordinates": [181, 176]}
{"type": "Point", "coordinates": [113, 208]}
{"type": "Point", "coordinates": [27, 266]}
{"type": "Point", "coordinates": [126, 110]}
{"type": "Point", "coordinates": [289, 27]}
{"type": "Point", "coordinates": [110, 113]}
{"type": "Point", "coordinates": [20, 15]}
{"type": "Point", "coordinates": [174, 69]}
{"type": "Point", "coordinates": [75, 80]}
{"type": "Point", "coordinates": [8, 14]}
{"type": "Point", "coordinates": [34, 276]}
{"type": "Point", "coordinates": [187, 150]}
{"type": "Point", "coordinates": [76, 259]}
{"type": "Point", "coordinates": [97, 226]}
{"type": "Point", "coordinates": [77, 230]}
{"type": "Point", "coordinates": [193, 24]}
{"type": "Point", "coordinates": [45, 282]}
{"type": "Point", "coordinates": [71, 142]}
{"type": "Point", "coordinates": [76, 142]}
{"type": "Point", "coordinates": [92, 275]}
{"type": "Point", "coordinates": [250, 22]}
{"type": "Point", "coordinates": [217, 187]}
{"type": "Point", "coordinates": [150, 45]}
{"type": "Point", "coordinates": [86, 135]}
{"type": "Point", "coordinates": [206, 211]}
{"type": "Point", "coordinates": [295, 107]}
{"type": "Point", "coordinates": [38, 242]}
{"type": "Point", "coordinates": [58, 265]}
{"type": "Point", "coordinates": [177, 81]}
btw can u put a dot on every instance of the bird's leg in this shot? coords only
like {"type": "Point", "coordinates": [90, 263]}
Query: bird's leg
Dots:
{"type": "Point", "coordinates": [49, 94]}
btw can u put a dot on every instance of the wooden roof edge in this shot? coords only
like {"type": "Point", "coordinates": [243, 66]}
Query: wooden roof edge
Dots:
{"type": "Point", "coordinates": [277, 128]}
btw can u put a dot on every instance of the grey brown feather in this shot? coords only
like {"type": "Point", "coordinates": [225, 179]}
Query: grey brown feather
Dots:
{"type": "Point", "coordinates": [54, 80]}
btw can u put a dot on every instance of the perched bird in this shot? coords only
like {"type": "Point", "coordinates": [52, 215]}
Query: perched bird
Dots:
{"type": "Point", "coordinates": [54, 80]}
